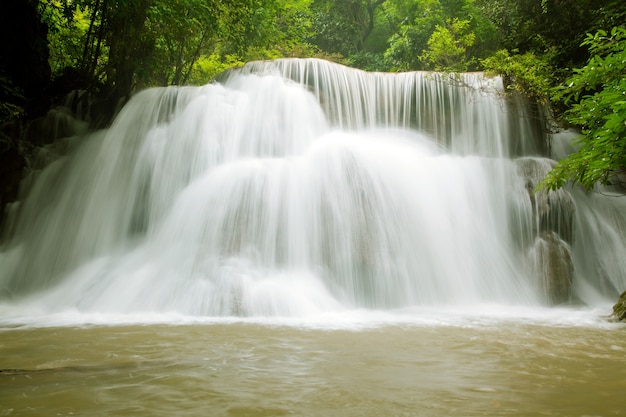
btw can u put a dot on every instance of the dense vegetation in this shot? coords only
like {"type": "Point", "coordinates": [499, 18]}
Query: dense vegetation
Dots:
{"type": "Point", "coordinates": [567, 54]}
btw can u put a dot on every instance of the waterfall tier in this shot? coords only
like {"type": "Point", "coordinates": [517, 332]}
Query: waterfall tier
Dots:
{"type": "Point", "coordinates": [299, 187]}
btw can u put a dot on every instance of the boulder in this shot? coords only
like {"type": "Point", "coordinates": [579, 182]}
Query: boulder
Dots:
{"type": "Point", "coordinates": [619, 309]}
{"type": "Point", "coordinates": [554, 210]}
{"type": "Point", "coordinates": [551, 230]}
{"type": "Point", "coordinates": [554, 266]}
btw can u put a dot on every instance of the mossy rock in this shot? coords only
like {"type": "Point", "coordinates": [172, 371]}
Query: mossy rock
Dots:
{"type": "Point", "coordinates": [619, 309]}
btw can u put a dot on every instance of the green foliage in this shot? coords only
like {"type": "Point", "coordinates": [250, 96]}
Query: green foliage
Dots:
{"type": "Point", "coordinates": [598, 93]}
{"type": "Point", "coordinates": [207, 67]}
{"type": "Point", "coordinates": [335, 28]}
{"type": "Point", "coordinates": [447, 46]}
{"type": "Point", "coordinates": [450, 35]}
{"type": "Point", "coordinates": [345, 26]}
{"type": "Point", "coordinates": [416, 21]}
{"type": "Point", "coordinates": [11, 98]}
{"type": "Point", "coordinates": [123, 45]}
{"type": "Point", "coordinates": [290, 22]}
{"type": "Point", "coordinates": [525, 73]}
{"type": "Point", "coordinates": [67, 26]}
{"type": "Point", "coordinates": [555, 26]}
{"type": "Point", "coordinates": [175, 34]}
{"type": "Point", "coordinates": [366, 61]}
{"type": "Point", "coordinates": [293, 21]}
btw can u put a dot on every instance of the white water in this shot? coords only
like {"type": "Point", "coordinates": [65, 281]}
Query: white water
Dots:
{"type": "Point", "coordinates": [303, 189]}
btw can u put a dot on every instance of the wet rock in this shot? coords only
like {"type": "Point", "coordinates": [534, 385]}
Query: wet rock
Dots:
{"type": "Point", "coordinates": [552, 230]}
{"type": "Point", "coordinates": [554, 210]}
{"type": "Point", "coordinates": [619, 309]}
{"type": "Point", "coordinates": [554, 267]}
{"type": "Point", "coordinates": [58, 123]}
{"type": "Point", "coordinates": [21, 143]}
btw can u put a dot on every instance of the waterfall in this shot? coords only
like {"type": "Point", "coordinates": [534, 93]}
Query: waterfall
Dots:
{"type": "Point", "coordinates": [298, 187]}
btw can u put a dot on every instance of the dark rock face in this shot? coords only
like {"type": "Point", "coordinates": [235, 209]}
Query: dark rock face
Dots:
{"type": "Point", "coordinates": [619, 309]}
{"type": "Point", "coordinates": [18, 157]}
{"type": "Point", "coordinates": [24, 46]}
{"type": "Point", "coordinates": [12, 165]}
{"type": "Point", "coordinates": [552, 231]}
{"type": "Point", "coordinates": [26, 74]}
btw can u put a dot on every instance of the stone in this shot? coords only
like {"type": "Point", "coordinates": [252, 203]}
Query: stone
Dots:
{"type": "Point", "coordinates": [555, 267]}
{"type": "Point", "coordinates": [619, 309]}
{"type": "Point", "coordinates": [552, 230]}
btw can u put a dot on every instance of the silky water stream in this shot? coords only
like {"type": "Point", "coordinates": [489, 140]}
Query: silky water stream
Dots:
{"type": "Point", "coordinates": [301, 238]}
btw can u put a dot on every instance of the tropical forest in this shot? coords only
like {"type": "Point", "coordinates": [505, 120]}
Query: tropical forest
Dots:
{"type": "Point", "coordinates": [567, 54]}
{"type": "Point", "coordinates": [316, 208]}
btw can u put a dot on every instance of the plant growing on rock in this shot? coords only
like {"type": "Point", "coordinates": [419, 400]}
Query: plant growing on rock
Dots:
{"type": "Point", "coordinates": [598, 94]}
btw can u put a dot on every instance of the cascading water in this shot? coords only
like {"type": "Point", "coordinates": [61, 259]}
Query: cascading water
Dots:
{"type": "Point", "coordinates": [300, 187]}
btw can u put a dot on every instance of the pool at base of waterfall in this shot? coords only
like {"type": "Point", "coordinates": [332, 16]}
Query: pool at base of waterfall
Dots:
{"type": "Point", "coordinates": [417, 366]}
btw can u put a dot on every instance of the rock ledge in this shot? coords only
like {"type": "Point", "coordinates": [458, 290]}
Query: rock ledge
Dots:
{"type": "Point", "coordinates": [619, 309]}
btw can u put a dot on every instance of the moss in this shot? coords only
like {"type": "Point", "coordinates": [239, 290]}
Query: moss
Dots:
{"type": "Point", "coordinates": [619, 309]}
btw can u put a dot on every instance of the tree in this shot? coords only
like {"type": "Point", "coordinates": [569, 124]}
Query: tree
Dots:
{"type": "Point", "coordinates": [448, 47]}
{"type": "Point", "coordinates": [176, 34]}
{"type": "Point", "coordinates": [119, 46]}
{"type": "Point", "coordinates": [598, 92]}
{"type": "Point", "coordinates": [527, 73]}
{"type": "Point", "coordinates": [439, 34]}
{"type": "Point", "coordinates": [415, 21]}
{"type": "Point", "coordinates": [554, 27]}
{"type": "Point", "coordinates": [343, 26]}
{"type": "Point", "coordinates": [283, 29]}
